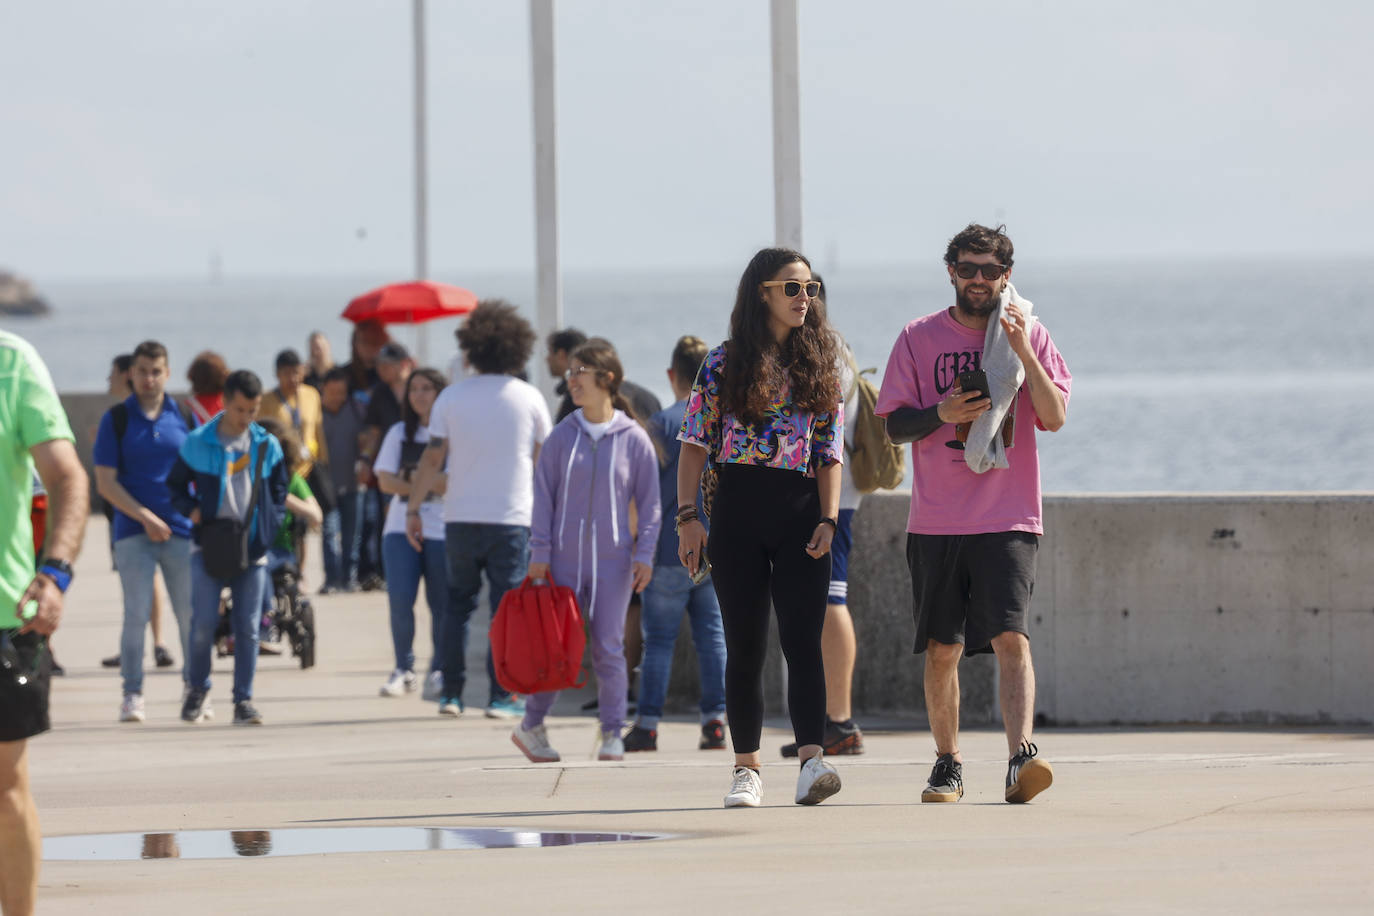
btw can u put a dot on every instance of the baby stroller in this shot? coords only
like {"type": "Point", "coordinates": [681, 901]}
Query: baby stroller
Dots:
{"type": "Point", "coordinates": [292, 616]}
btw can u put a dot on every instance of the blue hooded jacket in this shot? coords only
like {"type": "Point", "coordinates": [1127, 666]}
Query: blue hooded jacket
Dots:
{"type": "Point", "coordinates": [202, 463]}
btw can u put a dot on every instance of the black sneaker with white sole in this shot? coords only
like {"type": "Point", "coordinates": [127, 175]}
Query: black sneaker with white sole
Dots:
{"type": "Point", "coordinates": [841, 738]}
{"type": "Point", "coordinates": [1027, 776]}
{"type": "Point", "coordinates": [946, 781]}
{"type": "Point", "coordinates": [246, 714]}
{"type": "Point", "coordinates": [193, 708]}
{"type": "Point", "coordinates": [641, 739]}
{"type": "Point", "coordinates": [712, 736]}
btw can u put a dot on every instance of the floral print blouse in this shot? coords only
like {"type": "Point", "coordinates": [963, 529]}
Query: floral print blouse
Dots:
{"type": "Point", "coordinates": [787, 438]}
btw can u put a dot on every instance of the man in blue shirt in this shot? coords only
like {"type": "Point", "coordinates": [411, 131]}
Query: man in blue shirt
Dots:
{"type": "Point", "coordinates": [135, 447]}
{"type": "Point", "coordinates": [671, 590]}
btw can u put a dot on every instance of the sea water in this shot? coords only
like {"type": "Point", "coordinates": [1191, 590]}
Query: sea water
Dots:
{"type": "Point", "coordinates": [1188, 375]}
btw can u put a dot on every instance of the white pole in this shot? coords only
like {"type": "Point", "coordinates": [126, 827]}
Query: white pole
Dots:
{"type": "Point", "coordinates": [548, 277]}
{"type": "Point", "coordinates": [421, 169]}
{"type": "Point", "coordinates": [787, 204]}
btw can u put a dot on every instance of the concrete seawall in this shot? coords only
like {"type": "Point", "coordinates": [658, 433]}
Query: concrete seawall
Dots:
{"type": "Point", "coordinates": [1149, 608]}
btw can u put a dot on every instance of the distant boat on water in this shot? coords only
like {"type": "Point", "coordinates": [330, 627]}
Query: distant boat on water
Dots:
{"type": "Point", "coordinates": [18, 297]}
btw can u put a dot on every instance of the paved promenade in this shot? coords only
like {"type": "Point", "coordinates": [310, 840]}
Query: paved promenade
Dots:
{"type": "Point", "coordinates": [1141, 821]}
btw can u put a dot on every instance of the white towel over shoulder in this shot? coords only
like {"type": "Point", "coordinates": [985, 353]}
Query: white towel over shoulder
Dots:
{"type": "Point", "coordinates": [984, 450]}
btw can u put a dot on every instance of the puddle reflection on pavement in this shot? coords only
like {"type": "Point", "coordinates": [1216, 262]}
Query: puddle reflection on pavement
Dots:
{"type": "Point", "coordinates": [229, 844]}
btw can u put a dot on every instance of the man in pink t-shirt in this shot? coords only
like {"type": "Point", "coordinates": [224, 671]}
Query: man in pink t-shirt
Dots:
{"type": "Point", "coordinates": [972, 537]}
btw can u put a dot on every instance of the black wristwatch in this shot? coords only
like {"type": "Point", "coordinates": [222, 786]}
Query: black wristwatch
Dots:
{"type": "Point", "coordinates": [59, 571]}
{"type": "Point", "coordinates": [827, 520]}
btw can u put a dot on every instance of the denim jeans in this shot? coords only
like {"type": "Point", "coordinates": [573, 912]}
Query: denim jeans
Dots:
{"type": "Point", "coordinates": [138, 560]}
{"type": "Point", "coordinates": [371, 517]}
{"type": "Point", "coordinates": [247, 589]}
{"type": "Point", "coordinates": [668, 594]}
{"type": "Point", "coordinates": [339, 542]}
{"type": "Point", "coordinates": [405, 567]}
{"type": "Point", "coordinates": [504, 552]}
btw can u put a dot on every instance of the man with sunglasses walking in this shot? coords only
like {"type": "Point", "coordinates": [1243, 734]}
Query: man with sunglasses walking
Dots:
{"type": "Point", "coordinates": [973, 530]}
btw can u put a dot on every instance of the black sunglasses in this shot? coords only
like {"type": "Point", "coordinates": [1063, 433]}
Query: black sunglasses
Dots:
{"type": "Point", "coordinates": [790, 288]}
{"type": "Point", "coordinates": [965, 270]}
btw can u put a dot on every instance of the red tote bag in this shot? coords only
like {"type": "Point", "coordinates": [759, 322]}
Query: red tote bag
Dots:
{"type": "Point", "coordinates": [537, 639]}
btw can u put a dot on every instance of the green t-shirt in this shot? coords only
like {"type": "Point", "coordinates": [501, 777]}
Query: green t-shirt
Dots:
{"type": "Point", "coordinates": [297, 487]}
{"type": "Point", "coordinates": [30, 414]}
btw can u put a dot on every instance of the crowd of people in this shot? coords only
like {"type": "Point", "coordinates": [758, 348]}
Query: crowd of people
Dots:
{"type": "Point", "coordinates": [732, 505]}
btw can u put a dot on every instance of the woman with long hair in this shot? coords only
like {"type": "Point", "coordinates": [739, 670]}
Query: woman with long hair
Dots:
{"type": "Point", "coordinates": [396, 462]}
{"type": "Point", "coordinates": [767, 411]}
{"type": "Point", "coordinates": [590, 468]}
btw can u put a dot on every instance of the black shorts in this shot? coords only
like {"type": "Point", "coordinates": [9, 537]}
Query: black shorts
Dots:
{"type": "Point", "coordinates": [25, 673]}
{"type": "Point", "coordinates": [968, 588]}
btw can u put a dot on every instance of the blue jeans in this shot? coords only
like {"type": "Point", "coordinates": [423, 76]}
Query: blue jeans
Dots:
{"type": "Point", "coordinates": [504, 552]}
{"type": "Point", "coordinates": [371, 517]}
{"type": "Point", "coordinates": [405, 567]}
{"type": "Point", "coordinates": [339, 542]}
{"type": "Point", "coordinates": [670, 593]}
{"type": "Point", "coordinates": [247, 589]}
{"type": "Point", "coordinates": [138, 560]}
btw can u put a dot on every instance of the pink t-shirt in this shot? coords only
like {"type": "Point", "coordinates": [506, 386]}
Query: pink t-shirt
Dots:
{"type": "Point", "coordinates": [947, 497]}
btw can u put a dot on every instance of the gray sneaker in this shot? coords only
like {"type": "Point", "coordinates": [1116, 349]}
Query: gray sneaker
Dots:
{"type": "Point", "coordinates": [1027, 777]}
{"type": "Point", "coordinates": [946, 781]}
{"type": "Point", "coordinates": [245, 713]}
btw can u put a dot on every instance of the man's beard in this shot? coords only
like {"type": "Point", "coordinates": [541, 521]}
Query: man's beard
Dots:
{"type": "Point", "coordinates": [977, 308]}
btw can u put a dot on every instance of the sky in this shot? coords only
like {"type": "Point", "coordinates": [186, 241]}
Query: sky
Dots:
{"type": "Point", "coordinates": [143, 138]}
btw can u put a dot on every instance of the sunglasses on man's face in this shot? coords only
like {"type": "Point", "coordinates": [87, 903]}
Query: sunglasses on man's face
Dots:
{"type": "Point", "coordinates": [792, 288]}
{"type": "Point", "coordinates": [966, 270]}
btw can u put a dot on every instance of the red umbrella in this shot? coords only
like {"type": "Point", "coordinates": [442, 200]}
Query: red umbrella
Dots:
{"type": "Point", "coordinates": [411, 303]}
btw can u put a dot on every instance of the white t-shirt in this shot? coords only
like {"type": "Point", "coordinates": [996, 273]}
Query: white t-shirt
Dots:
{"type": "Point", "coordinates": [492, 424]}
{"type": "Point", "coordinates": [389, 460]}
{"type": "Point", "coordinates": [595, 430]}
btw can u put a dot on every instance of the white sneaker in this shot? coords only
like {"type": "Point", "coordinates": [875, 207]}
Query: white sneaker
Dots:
{"type": "Point", "coordinates": [817, 781]}
{"type": "Point", "coordinates": [746, 789]}
{"type": "Point", "coordinates": [612, 747]}
{"type": "Point", "coordinates": [535, 744]}
{"type": "Point", "coordinates": [434, 687]}
{"type": "Point", "coordinates": [131, 710]}
{"type": "Point", "coordinates": [399, 683]}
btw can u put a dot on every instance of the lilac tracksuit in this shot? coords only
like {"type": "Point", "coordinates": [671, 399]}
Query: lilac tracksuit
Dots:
{"type": "Point", "coordinates": [581, 527]}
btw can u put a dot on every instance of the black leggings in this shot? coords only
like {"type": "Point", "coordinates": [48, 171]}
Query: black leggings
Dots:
{"type": "Point", "coordinates": [761, 522]}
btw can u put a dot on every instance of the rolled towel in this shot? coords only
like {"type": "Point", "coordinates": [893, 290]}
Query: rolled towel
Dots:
{"type": "Point", "coordinates": [984, 449]}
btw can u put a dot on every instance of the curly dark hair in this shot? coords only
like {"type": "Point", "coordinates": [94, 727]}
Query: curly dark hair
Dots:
{"type": "Point", "coordinates": [207, 373]}
{"type": "Point", "coordinates": [495, 339]}
{"type": "Point", "coordinates": [977, 239]}
{"type": "Point", "coordinates": [757, 366]}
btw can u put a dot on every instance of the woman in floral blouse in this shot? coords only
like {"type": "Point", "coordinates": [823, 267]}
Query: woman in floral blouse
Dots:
{"type": "Point", "coordinates": [767, 410]}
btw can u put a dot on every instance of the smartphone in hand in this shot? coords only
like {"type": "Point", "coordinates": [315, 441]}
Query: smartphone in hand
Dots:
{"type": "Point", "coordinates": [703, 569]}
{"type": "Point", "coordinates": [975, 380]}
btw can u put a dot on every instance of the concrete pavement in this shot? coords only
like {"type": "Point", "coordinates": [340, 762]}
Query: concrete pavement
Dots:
{"type": "Point", "coordinates": [1139, 820]}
